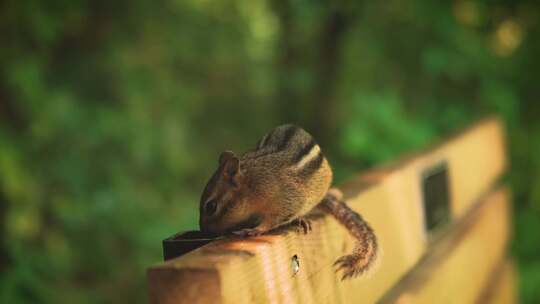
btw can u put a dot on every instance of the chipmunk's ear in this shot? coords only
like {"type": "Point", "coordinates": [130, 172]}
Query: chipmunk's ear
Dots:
{"type": "Point", "coordinates": [225, 156]}
{"type": "Point", "coordinates": [231, 166]}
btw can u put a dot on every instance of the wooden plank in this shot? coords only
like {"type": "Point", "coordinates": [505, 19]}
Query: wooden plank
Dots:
{"type": "Point", "coordinates": [168, 285]}
{"type": "Point", "coordinates": [460, 263]}
{"type": "Point", "coordinates": [502, 287]}
{"type": "Point", "coordinates": [259, 269]}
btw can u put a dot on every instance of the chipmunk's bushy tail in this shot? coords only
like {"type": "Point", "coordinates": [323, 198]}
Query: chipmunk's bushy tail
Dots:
{"type": "Point", "coordinates": [366, 250]}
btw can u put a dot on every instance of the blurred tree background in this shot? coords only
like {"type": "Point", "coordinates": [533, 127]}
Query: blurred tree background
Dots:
{"type": "Point", "coordinates": [112, 115]}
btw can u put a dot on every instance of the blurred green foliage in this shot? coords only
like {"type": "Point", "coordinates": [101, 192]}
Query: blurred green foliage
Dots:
{"type": "Point", "coordinates": [112, 115]}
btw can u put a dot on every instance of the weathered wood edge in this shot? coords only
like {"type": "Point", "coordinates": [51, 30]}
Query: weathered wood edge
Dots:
{"type": "Point", "coordinates": [357, 192]}
{"type": "Point", "coordinates": [501, 288]}
{"type": "Point", "coordinates": [168, 285]}
{"type": "Point", "coordinates": [441, 249]}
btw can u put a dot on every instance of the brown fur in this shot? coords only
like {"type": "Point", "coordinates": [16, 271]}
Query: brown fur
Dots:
{"type": "Point", "coordinates": [268, 184]}
{"type": "Point", "coordinates": [280, 181]}
{"type": "Point", "coordinates": [366, 250]}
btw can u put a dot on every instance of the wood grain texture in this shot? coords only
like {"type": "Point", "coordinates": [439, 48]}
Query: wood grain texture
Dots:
{"type": "Point", "coordinates": [502, 287]}
{"type": "Point", "coordinates": [170, 285]}
{"type": "Point", "coordinates": [390, 199]}
{"type": "Point", "coordinates": [461, 263]}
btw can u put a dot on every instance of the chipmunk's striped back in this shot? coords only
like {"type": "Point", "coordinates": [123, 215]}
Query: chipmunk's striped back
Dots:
{"type": "Point", "coordinates": [280, 181]}
{"type": "Point", "coordinates": [296, 148]}
{"type": "Point", "coordinates": [291, 157]}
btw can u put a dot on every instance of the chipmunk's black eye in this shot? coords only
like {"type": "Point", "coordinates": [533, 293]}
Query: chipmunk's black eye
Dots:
{"type": "Point", "coordinates": [211, 207]}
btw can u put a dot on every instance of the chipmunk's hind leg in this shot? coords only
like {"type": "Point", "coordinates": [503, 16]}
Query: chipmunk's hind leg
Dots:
{"type": "Point", "coordinates": [357, 262]}
{"type": "Point", "coordinates": [366, 249]}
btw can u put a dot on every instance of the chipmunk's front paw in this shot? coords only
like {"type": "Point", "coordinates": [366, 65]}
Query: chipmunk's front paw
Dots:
{"type": "Point", "coordinates": [248, 232]}
{"type": "Point", "coordinates": [304, 223]}
{"type": "Point", "coordinates": [352, 265]}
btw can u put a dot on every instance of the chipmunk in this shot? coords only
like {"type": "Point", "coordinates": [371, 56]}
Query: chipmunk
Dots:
{"type": "Point", "coordinates": [279, 182]}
